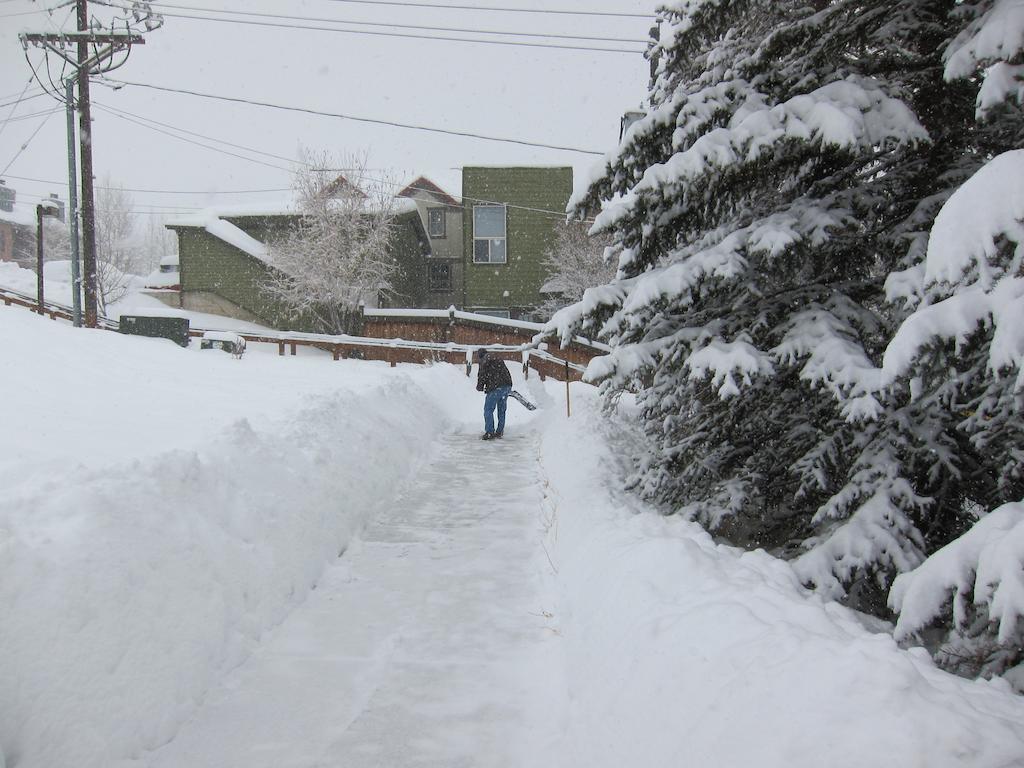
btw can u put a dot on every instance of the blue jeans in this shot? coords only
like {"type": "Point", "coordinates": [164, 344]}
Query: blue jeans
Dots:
{"type": "Point", "coordinates": [496, 398]}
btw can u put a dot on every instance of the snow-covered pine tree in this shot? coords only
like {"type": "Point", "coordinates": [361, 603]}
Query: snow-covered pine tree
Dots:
{"type": "Point", "coordinates": [960, 354]}
{"type": "Point", "coordinates": [794, 154]}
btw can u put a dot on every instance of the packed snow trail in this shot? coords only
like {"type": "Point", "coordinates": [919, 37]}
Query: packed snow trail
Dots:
{"type": "Point", "coordinates": [424, 645]}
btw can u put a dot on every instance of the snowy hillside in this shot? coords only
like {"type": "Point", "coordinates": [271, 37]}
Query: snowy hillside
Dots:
{"type": "Point", "coordinates": [173, 595]}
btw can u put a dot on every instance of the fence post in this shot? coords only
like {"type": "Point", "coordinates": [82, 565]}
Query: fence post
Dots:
{"type": "Point", "coordinates": [568, 409]}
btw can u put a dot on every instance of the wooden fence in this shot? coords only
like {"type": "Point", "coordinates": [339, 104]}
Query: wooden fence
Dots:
{"type": "Point", "coordinates": [408, 336]}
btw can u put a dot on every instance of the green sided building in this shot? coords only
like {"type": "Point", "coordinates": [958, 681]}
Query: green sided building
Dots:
{"type": "Point", "coordinates": [483, 253]}
{"type": "Point", "coordinates": [510, 215]}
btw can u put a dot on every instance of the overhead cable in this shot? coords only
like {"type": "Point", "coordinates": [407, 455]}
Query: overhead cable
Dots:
{"type": "Point", "coordinates": [448, 6]}
{"type": "Point", "coordinates": [192, 141]}
{"type": "Point", "coordinates": [362, 176]}
{"type": "Point", "coordinates": [405, 35]}
{"type": "Point", "coordinates": [163, 191]}
{"type": "Point", "coordinates": [421, 27]}
{"type": "Point", "coordinates": [29, 141]}
{"type": "Point", "coordinates": [354, 118]}
{"type": "Point", "coordinates": [29, 116]}
{"type": "Point", "coordinates": [14, 106]}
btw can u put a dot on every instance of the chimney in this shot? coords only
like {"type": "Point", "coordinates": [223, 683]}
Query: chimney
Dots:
{"type": "Point", "coordinates": [60, 206]}
{"type": "Point", "coordinates": [7, 197]}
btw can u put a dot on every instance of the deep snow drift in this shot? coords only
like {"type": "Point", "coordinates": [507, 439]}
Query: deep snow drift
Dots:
{"type": "Point", "coordinates": [166, 508]}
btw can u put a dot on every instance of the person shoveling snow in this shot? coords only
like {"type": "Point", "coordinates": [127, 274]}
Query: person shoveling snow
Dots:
{"type": "Point", "coordinates": [494, 380]}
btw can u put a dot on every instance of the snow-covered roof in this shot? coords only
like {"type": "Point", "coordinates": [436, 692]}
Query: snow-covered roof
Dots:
{"type": "Point", "coordinates": [241, 240]}
{"type": "Point", "coordinates": [281, 208]}
{"type": "Point", "coordinates": [200, 219]}
{"type": "Point", "coordinates": [23, 214]}
{"type": "Point", "coordinates": [530, 167]}
{"type": "Point", "coordinates": [216, 223]}
{"type": "Point", "coordinates": [161, 281]}
{"type": "Point", "coordinates": [170, 259]}
{"type": "Point", "coordinates": [437, 313]}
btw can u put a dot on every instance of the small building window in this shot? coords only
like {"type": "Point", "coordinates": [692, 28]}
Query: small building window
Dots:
{"type": "Point", "coordinates": [436, 222]}
{"type": "Point", "coordinates": [439, 276]}
{"type": "Point", "coordinates": [489, 234]}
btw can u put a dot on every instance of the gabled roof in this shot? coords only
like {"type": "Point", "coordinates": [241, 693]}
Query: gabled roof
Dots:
{"type": "Point", "coordinates": [216, 223]}
{"type": "Point", "coordinates": [341, 185]}
{"type": "Point", "coordinates": [423, 184]}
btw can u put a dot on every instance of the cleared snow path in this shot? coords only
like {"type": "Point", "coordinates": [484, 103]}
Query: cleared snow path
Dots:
{"type": "Point", "coordinates": [426, 644]}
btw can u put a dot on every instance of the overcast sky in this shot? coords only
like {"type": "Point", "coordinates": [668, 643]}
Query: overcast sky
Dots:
{"type": "Point", "coordinates": [550, 96]}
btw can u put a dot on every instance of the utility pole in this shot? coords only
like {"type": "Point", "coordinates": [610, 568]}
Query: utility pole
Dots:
{"type": "Point", "coordinates": [76, 275]}
{"type": "Point", "coordinates": [85, 65]}
{"type": "Point", "coordinates": [85, 151]}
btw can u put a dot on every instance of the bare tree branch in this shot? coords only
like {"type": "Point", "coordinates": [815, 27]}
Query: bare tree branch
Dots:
{"type": "Point", "coordinates": [337, 255]}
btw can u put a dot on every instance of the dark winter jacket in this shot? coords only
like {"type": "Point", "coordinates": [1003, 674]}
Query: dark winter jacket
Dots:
{"type": "Point", "coordinates": [492, 374]}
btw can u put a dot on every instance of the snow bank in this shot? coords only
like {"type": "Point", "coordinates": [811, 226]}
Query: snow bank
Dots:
{"type": "Point", "coordinates": [684, 652]}
{"type": "Point", "coordinates": [131, 584]}
{"type": "Point", "coordinates": [56, 280]}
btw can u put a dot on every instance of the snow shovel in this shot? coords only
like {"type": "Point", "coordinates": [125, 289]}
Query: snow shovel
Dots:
{"type": "Point", "coordinates": [526, 403]}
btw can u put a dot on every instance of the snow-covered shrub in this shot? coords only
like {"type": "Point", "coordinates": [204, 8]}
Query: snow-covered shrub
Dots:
{"type": "Point", "coordinates": [972, 591]}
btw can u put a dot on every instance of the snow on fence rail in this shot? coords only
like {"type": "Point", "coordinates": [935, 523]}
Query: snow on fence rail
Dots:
{"type": "Point", "coordinates": [533, 353]}
{"type": "Point", "coordinates": [51, 308]}
{"type": "Point", "coordinates": [398, 350]}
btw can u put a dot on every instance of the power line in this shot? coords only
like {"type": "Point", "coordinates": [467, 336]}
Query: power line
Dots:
{"type": "Point", "coordinates": [29, 141]}
{"type": "Point", "coordinates": [170, 210]}
{"type": "Point", "coordinates": [374, 121]}
{"type": "Point", "coordinates": [191, 141]}
{"type": "Point", "coordinates": [162, 191]}
{"type": "Point", "coordinates": [29, 116]}
{"type": "Point", "coordinates": [554, 11]}
{"type": "Point", "coordinates": [363, 176]}
{"type": "Point", "coordinates": [26, 98]}
{"type": "Point", "coordinates": [404, 35]}
{"type": "Point", "coordinates": [400, 26]}
{"type": "Point", "coordinates": [16, 104]}
{"type": "Point", "coordinates": [127, 114]}
{"type": "Point", "coordinates": [139, 121]}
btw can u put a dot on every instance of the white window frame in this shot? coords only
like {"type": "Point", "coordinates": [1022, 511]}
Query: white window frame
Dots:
{"type": "Point", "coordinates": [444, 223]}
{"type": "Point", "coordinates": [490, 240]}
